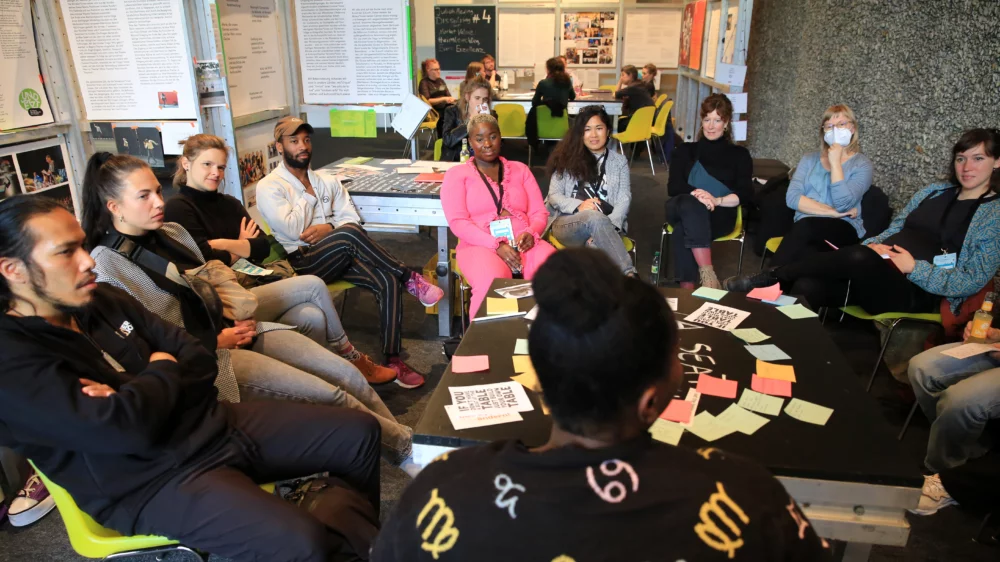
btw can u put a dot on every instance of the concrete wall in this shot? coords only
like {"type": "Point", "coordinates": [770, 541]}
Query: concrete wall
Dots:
{"type": "Point", "coordinates": [916, 72]}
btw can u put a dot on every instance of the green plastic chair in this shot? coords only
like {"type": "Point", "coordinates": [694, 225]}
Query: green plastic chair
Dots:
{"type": "Point", "coordinates": [437, 149]}
{"type": "Point", "coordinates": [738, 235]}
{"type": "Point", "coordinates": [772, 246]}
{"type": "Point", "coordinates": [639, 129]}
{"type": "Point", "coordinates": [549, 127]}
{"type": "Point", "coordinates": [512, 120]}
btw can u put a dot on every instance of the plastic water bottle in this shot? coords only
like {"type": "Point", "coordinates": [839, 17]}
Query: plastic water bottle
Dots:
{"type": "Point", "coordinates": [654, 277]}
{"type": "Point", "coordinates": [504, 84]}
{"type": "Point", "coordinates": [981, 321]}
{"type": "Point", "coordinates": [465, 154]}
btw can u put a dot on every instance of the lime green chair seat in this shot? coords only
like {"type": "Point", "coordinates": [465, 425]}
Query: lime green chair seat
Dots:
{"type": "Point", "coordinates": [512, 119]}
{"type": "Point", "coordinates": [738, 234]}
{"type": "Point", "coordinates": [437, 149]}
{"type": "Point", "coordinates": [628, 242]}
{"type": "Point", "coordinates": [772, 246]}
{"type": "Point", "coordinates": [638, 129]}
{"type": "Point", "coordinates": [549, 127]}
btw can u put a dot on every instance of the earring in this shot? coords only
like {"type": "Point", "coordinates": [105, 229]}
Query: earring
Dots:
{"type": "Point", "coordinates": [121, 218]}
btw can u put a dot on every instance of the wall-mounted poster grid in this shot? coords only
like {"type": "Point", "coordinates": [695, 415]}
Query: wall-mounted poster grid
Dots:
{"type": "Point", "coordinates": [149, 141]}
{"type": "Point", "coordinates": [38, 168]}
{"type": "Point", "coordinates": [589, 38]}
{"type": "Point", "coordinates": [23, 102]}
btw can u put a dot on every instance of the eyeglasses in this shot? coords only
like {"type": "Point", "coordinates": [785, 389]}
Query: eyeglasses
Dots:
{"type": "Point", "coordinates": [434, 69]}
{"type": "Point", "coordinates": [840, 125]}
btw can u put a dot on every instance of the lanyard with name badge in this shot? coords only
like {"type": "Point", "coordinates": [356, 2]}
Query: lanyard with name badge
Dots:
{"type": "Point", "coordinates": [498, 201]}
{"type": "Point", "coordinates": [948, 260]}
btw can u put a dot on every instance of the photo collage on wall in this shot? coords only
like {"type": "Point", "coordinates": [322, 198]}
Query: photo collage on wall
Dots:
{"type": "Point", "coordinates": [590, 38]}
{"type": "Point", "coordinates": [253, 166]}
{"type": "Point", "coordinates": [138, 139]}
{"type": "Point", "coordinates": [37, 168]}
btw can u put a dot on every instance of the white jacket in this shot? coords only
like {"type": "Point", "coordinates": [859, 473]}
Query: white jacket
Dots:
{"type": "Point", "coordinates": [289, 210]}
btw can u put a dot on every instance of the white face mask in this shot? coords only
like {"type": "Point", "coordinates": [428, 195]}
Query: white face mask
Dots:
{"type": "Point", "coordinates": [839, 136]}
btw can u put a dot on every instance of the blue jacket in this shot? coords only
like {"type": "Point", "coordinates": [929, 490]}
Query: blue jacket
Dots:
{"type": "Point", "coordinates": [843, 195]}
{"type": "Point", "coordinates": [977, 262]}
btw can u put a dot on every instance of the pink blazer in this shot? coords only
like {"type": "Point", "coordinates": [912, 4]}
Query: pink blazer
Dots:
{"type": "Point", "coordinates": [469, 206]}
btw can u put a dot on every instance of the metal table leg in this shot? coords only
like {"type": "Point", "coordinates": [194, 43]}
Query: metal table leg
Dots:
{"type": "Point", "coordinates": [856, 552]}
{"type": "Point", "coordinates": [444, 281]}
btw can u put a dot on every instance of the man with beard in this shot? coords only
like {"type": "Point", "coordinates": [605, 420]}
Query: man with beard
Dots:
{"type": "Point", "coordinates": [119, 408]}
{"type": "Point", "coordinates": [313, 218]}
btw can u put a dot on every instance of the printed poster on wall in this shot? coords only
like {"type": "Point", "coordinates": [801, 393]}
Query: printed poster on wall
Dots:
{"type": "Point", "coordinates": [38, 168]}
{"type": "Point", "coordinates": [23, 102]}
{"type": "Point", "coordinates": [253, 56]}
{"type": "Point", "coordinates": [692, 31]}
{"type": "Point", "coordinates": [131, 59]}
{"type": "Point", "coordinates": [729, 44]}
{"type": "Point", "coordinates": [589, 38]}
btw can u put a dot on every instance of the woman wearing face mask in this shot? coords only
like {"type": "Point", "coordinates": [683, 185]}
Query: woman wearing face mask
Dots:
{"type": "Point", "coordinates": [590, 192]}
{"type": "Point", "coordinates": [257, 360]}
{"type": "Point", "coordinates": [708, 180]}
{"type": "Point", "coordinates": [826, 191]}
{"type": "Point", "coordinates": [223, 231]}
{"type": "Point", "coordinates": [487, 195]}
{"type": "Point", "coordinates": [944, 243]}
{"type": "Point", "coordinates": [476, 100]}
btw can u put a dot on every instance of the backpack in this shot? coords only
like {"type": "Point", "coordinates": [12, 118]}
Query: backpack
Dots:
{"type": "Point", "coordinates": [348, 515]}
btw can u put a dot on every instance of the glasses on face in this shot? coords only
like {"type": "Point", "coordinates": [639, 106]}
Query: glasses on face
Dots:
{"type": "Point", "coordinates": [434, 69]}
{"type": "Point", "coordinates": [839, 125]}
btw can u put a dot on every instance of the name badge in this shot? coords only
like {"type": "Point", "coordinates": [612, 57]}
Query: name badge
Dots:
{"type": "Point", "coordinates": [945, 261]}
{"type": "Point", "coordinates": [502, 228]}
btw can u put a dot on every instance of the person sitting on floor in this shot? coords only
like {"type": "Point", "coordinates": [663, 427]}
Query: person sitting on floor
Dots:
{"type": "Point", "coordinates": [224, 231]}
{"type": "Point", "coordinates": [605, 348]}
{"type": "Point", "coordinates": [634, 92]}
{"type": "Point", "coordinates": [455, 122]}
{"type": "Point", "coordinates": [135, 251]}
{"type": "Point", "coordinates": [432, 86]}
{"type": "Point", "coordinates": [826, 190]}
{"type": "Point", "coordinates": [649, 78]}
{"type": "Point", "coordinates": [709, 179]}
{"type": "Point", "coordinates": [590, 193]}
{"type": "Point", "coordinates": [495, 208]}
{"type": "Point", "coordinates": [313, 218]}
{"type": "Point", "coordinates": [118, 407]}
{"type": "Point", "coordinates": [944, 244]}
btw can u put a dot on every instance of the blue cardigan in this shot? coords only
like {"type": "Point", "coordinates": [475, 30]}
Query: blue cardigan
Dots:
{"type": "Point", "coordinates": [977, 262]}
{"type": "Point", "coordinates": [843, 195]}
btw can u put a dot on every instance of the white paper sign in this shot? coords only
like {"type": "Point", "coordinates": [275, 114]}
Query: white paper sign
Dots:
{"type": "Point", "coordinates": [480, 418]}
{"type": "Point", "coordinates": [739, 102]}
{"type": "Point", "coordinates": [410, 116]}
{"type": "Point", "coordinates": [718, 316]}
{"type": "Point", "coordinates": [739, 131]}
{"type": "Point", "coordinates": [968, 350]}
{"type": "Point", "coordinates": [250, 38]}
{"type": "Point", "coordinates": [23, 102]}
{"type": "Point", "coordinates": [497, 396]}
{"type": "Point", "coordinates": [733, 74]}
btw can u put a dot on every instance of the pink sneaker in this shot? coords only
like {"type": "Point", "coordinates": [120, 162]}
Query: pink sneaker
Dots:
{"type": "Point", "coordinates": [405, 376]}
{"type": "Point", "coordinates": [428, 293]}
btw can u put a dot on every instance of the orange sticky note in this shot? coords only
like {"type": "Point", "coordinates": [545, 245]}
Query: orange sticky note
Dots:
{"type": "Point", "coordinates": [714, 386]}
{"type": "Point", "coordinates": [775, 371]}
{"type": "Point", "coordinates": [766, 293]}
{"type": "Point", "coordinates": [678, 411]}
{"type": "Point", "coordinates": [522, 364]}
{"type": "Point", "coordinates": [470, 363]}
{"type": "Point", "coordinates": [771, 386]}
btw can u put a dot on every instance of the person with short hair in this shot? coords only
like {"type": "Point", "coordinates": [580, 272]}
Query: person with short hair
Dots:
{"type": "Point", "coordinates": [490, 73]}
{"type": "Point", "coordinates": [118, 407]}
{"type": "Point", "coordinates": [605, 350]}
{"type": "Point", "coordinates": [433, 87]}
{"type": "Point", "coordinates": [649, 79]}
{"type": "Point", "coordinates": [634, 92]}
{"type": "Point", "coordinates": [476, 99]}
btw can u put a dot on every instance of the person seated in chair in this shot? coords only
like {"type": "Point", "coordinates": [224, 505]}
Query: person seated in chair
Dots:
{"type": "Point", "coordinates": [119, 408]}
{"type": "Point", "coordinates": [649, 79]}
{"type": "Point", "coordinates": [495, 208]}
{"type": "Point", "coordinates": [490, 73]}
{"type": "Point", "coordinates": [605, 347]}
{"type": "Point", "coordinates": [476, 99]}
{"type": "Point", "coordinates": [433, 87]}
{"type": "Point", "coordinates": [944, 244]}
{"type": "Point", "coordinates": [709, 179]}
{"type": "Point", "coordinates": [634, 92]}
{"type": "Point", "coordinates": [826, 191]}
{"type": "Point", "coordinates": [590, 193]}
{"type": "Point", "coordinates": [556, 87]}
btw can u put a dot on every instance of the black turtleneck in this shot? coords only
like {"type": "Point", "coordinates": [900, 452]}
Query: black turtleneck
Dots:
{"type": "Point", "coordinates": [726, 162]}
{"type": "Point", "coordinates": [210, 215]}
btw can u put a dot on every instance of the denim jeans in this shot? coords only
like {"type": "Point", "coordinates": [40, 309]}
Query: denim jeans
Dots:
{"type": "Point", "coordinates": [286, 365]}
{"type": "Point", "coordinates": [594, 226]}
{"type": "Point", "coordinates": [959, 396]}
{"type": "Point", "coordinates": [302, 301]}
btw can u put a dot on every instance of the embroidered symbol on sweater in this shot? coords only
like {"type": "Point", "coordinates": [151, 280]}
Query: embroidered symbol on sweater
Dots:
{"type": "Point", "coordinates": [707, 452]}
{"type": "Point", "coordinates": [563, 558]}
{"type": "Point", "coordinates": [504, 484]}
{"type": "Point", "coordinates": [709, 531]}
{"type": "Point", "coordinates": [126, 328]}
{"type": "Point", "coordinates": [441, 457]}
{"type": "Point", "coordinates": [326, 199]}
{"type": "Point", "coordinates": [615, 491]}
{"type": "Point", "coordinates": [800, 520]}
{"type": "Point", "coordinates": [446, 535]}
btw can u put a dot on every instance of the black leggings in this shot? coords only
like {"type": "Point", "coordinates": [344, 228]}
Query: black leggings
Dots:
{"type": "Point", "coordinates": [694, 227]}
{"type": "Point", "coordinates": [806, 238]}
{"type": "Point", "coordinates": [875, 284]}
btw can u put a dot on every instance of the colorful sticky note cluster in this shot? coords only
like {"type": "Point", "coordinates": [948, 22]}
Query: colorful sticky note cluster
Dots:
{"type": "Point", "coordinates": [714, 386]}
{"type": "Point", "coordinates": [500, 306]}
{"type": "Point", "coordinates": [710, 294]}
{"type": "Point", "coordinates": [766, 293]}
{"type": "Point", "coordinates": [774, 387]}
{"type": "Point", "coordinates": [741, 420]}
{"type": "Point", "coordinates": [775, 371]}
{"type": "Point", "coordinates": [470, 363]}
{"type": "Point", "coordinates": [709, 428]}
{"type": "Point", "coordinates": [678, 411]}
{"type": "Point", "coordinates": [762, 403]}
{"type": "Point", "coordinates": [667, 432]}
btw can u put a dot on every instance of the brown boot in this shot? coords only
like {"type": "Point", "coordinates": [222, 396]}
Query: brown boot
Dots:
{"type": "Point", "coordinates": [374, 374]}
{"type": "Point", "coordinates": [708, 278]}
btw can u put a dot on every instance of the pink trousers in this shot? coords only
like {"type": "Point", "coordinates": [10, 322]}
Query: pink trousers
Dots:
{"type": "Point", "coordinates": [480, 266]}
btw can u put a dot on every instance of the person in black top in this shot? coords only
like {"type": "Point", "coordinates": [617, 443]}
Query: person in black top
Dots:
{"type": "Point", "coordinates": [432, 86]}
{"type": "Point", "coordinates": [709, 178]}
{"type": "Point", "coordinates": [556, 87]}
{"type": "Point", "coordinates": [605, 349]}
{"type": "Point", "coordinates": [635, 93]}
{"type": "Point", "coordinates": [490, 71]}
{"type": "Point", "coordinates": [118, 407]}
{"type": "Point", "coordinates": [477, 98]}
{"type": "Point", "coordinates": [649, 78]}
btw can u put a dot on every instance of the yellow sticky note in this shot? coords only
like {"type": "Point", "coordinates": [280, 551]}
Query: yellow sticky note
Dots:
{"type": "Point", "coordinates": [529, 380]}
{"type": "Point", "coordinates": [775, 371]}
{"type": "Point", "coordinates": [500, 306]}
{"type": "Point", "coordinates": [522, 364]}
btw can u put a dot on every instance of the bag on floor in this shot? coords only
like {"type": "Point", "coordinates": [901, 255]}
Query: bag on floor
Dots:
{"type": "Point", "coordinates": [346, 513]}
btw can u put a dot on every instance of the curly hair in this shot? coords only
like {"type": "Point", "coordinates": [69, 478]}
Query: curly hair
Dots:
{"type": "Point", "coordinates": [720, 104]}
{"type": "Point", "coordinates": [571, 157]}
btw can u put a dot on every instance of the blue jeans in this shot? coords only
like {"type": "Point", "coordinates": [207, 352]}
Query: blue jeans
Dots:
{"type": "Point", "coordinates": [594, 229]}
{"type": "Point", "coordinates": [959, 396]}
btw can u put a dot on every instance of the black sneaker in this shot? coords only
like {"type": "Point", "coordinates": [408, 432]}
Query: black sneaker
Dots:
{"type": "Point", "coordinates": [747, 283]}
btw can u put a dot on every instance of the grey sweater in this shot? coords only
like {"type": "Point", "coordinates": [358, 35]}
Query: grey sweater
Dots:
{"type": "Point", "coordinates": [560, 200]}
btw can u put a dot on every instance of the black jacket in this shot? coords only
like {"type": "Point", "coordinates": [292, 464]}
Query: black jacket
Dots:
{"type": "Point", "coordinates": [209, 215]}
{"type": "Point", "coordinates": [453, 131]}
{"type": "Point", "coordinates": [111, 454]}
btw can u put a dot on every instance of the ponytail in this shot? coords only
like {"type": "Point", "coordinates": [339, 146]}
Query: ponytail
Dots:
{"type": "Point", "coordinates": [16, 240]}
{"type": "Point", "coordinates": [103, 181]}
{"type": "Point", "coordinates": [557, 70]}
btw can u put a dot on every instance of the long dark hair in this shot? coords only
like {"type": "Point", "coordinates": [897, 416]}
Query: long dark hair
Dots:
{"type": "Point", "coordinates": [105, 177]}
{"type": "Point", "coordinates": [557, 71]}
{"type": "Point", "coordinates": [990, 139]}
{"type": "Point", "coordinates": [16, 239]}
{"type": "Point", "coordinates": [571, 157]}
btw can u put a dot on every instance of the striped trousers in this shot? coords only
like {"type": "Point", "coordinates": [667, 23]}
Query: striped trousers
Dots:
{"type": "Point", "coordinates": [349, 254]}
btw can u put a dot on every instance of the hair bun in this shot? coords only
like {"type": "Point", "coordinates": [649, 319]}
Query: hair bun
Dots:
{"type": "Point", "coordinates": [579, 289]}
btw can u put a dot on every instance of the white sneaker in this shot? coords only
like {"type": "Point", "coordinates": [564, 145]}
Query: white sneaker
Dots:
{"type": "Point", "coordinates": [933, 497]}
{"type": "Point", "coordinates": [31, 504]}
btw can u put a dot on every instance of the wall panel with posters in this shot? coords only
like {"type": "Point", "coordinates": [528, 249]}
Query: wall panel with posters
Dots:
{"type": "Point", "coordinates": [38, 168]}
{"type": "Point", "coordinates": [253, 59]}
{"type": "Point", "coordinates": [589, 38]}
{"type": "Point", "coordinates": [23, 101]}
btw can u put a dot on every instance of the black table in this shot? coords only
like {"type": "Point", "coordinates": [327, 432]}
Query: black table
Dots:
{"type": "Point", "coordinates": [850, 475]}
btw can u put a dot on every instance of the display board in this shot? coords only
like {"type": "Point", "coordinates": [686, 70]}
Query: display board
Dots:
{"type": "Point", "coordinates": [38, 168]}
{"type": "Point", "coordinates": [23, 102]}
{"type": "Point", "coordinates": [131, 57]}
{"type": "Point", "coordinates": [653, 36]}
{"type": "Point", "coordinates": [712, 45]}
{"type": "Point", "coordinates": [250, 40]}
{"type": "Point", "coordinates": [525, 38]}
{"type": "Point", "coordinates": [692, 30]}
{"type": "Point", "coordinates": [353, 51]}
{"type": "Point", "coordinates": [464, 34]}
{"type": "Point", "coordinates": [589, 38]}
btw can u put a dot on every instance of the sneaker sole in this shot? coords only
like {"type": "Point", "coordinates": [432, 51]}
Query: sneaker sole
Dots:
{"type": "Point", "coordinates": [381, 382]}
{"type": "Point", "coordinates": [29, 516]}
{"type": "Point", "coordinates": [409, 386]}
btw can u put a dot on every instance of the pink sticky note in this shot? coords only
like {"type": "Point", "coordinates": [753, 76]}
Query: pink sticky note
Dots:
{"type": "Point", "coordinates": [678, 411]}
{"type": "Point", "coordinates": [766, 293]}
{"type": "Point", "coordinates": [470, 363]}
{"type": "Point", "coordinates": [714, 386]}
{"type": "Point", "coordinates": [774, 387]}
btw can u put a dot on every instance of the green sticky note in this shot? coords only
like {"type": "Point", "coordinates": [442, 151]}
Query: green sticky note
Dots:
{"type": "Point", "coordinates": [521, 347]}
{"type": "Point", "coordinates": [797, 311]}
{"type": "Point", "coordinates": [767, 352]}
{"type": "Point", "coordinates": [750, 335]}
{"type": "Point", "coordinates": [705, 425]}
{"type": "Point", "coordinates": [666, 431]}
{"type": "Point", "coordinates": [359, 160]}
{"type": "Point", "coordinates": [710, 294]}
{"type": "Point", "coordinates": [741, 420]}
{"type": "Point", "coordinates": [808, 412]}
{"type": "Point", "coordinates": [353, 123]}
{"type": "Point", "coordinates": [758, 402]}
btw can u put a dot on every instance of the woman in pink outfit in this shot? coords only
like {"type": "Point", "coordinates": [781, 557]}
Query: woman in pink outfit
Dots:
{"type": "Point", "coordinates": [490, 191]}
